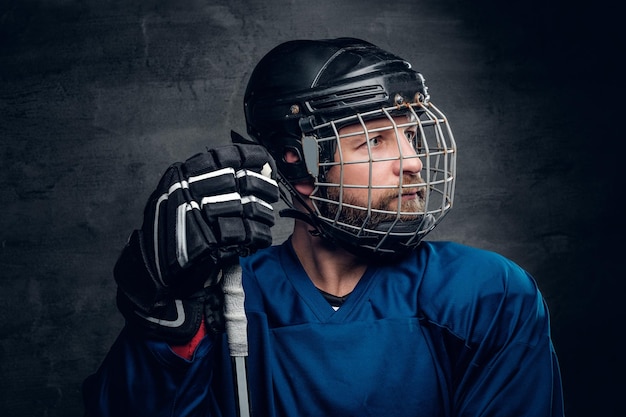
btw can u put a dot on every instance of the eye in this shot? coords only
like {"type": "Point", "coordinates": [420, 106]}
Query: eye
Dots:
{"type": "Point", "coordinates": [414, 138]}
{"type": "Point", "coordinates": [374, 141]}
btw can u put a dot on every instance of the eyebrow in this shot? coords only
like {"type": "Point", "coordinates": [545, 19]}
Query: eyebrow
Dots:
{"type": "Point", "coordinates": [380, 125]}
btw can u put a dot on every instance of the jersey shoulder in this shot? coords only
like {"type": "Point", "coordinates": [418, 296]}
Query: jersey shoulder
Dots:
{"type": "Point", "coordinates": [465, 289]}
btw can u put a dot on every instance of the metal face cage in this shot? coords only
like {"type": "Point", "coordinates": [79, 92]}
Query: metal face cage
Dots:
{"type": "Point", "coordinates": [362, 223]}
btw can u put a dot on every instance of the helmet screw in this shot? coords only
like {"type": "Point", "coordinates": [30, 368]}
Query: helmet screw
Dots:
{"type": "Point", "coordinates": [399, 100]}
{"type": "Point", "coordinates": [295, 109]}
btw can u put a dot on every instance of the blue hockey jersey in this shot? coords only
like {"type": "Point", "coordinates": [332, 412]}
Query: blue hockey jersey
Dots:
{"type": "Point", "coordinates": [447, 331]}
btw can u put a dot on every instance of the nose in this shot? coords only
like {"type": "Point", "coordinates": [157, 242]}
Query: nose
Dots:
{"type": "Point", "coordinates": [408, 161]}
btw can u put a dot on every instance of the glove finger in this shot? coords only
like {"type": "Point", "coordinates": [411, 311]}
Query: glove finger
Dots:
{"type": "Point", "coordinates": [228, 254]}
{"type": "Point", "coordinates": [223, 205]}
{"type": "Point", "coordinates": [200, 163]}
{"type": "Point", "coordinates": [207, 178]}
{"type": "Point", "coordinates": [217, 182]}
{"type": "Point", "coordinates": [216, 190]}
{"type": "Point", "coordinates": [257, 158]}
{"type": "Point", "coordinates": [227, 156]}
{"type": "Point", "coordinates": [259, 185]}
{"type": "Point", "coordinates": [258, 210]}
{"type": "Point", "coordinates": [249, 156]}
{"type": "Point", "coordinates": [232, 231]}
{"type": "Point", "coordinates": [259, 235]}
{"type": "Point", "coordinates": [258, 174]}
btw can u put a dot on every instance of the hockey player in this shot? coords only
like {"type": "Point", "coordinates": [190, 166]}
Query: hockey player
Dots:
{"type": "Point", "coordinates": [355, 314]}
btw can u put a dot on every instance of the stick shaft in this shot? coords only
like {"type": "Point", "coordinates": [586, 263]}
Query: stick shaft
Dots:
{"type": "Point", "coordinates": [241, 386]}
{"type": "Point", "coordinates": [236, 331]}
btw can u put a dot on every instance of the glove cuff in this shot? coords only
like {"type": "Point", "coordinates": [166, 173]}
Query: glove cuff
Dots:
{"type": "Point", "coordinates": [134, 278]}
{"type": "Point", "coordinates": [175, 321]}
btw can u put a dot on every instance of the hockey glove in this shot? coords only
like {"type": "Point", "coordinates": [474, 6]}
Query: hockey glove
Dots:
{"type": "Point", "coordinates": [204, 213]}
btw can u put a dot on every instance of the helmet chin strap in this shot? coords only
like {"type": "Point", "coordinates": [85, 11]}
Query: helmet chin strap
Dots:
{"type": "Point", "coordinates": [299, 215]}
{"type": "Point", "coordinates": [423, 223]}
{"type": "Point", "coordinates": [291, 212]}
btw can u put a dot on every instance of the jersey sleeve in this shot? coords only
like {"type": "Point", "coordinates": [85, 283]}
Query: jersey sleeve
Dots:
{"type": "Point", "coordinates": [514, 370]}
{"type": "Point", "coordinates": [142, 377]}
{"type": "Point", "coordinates": [492, 327]}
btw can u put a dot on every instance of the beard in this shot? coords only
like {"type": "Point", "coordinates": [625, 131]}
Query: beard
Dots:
{"type": "Point", "coordinates": [385, 210]}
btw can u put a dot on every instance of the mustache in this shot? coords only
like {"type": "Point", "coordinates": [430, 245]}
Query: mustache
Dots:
{"type": "Point", "coordinates": [410, 184]}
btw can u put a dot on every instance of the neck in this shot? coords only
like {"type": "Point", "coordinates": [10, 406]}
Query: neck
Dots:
{"type": "Point", "coordinates": [332, 270]}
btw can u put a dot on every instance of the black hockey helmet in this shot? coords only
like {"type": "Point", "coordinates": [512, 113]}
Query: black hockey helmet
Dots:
{"type": "Point", "coordinates": [305, 83]}
{"type": "Point", "coordinates": [308, 89]}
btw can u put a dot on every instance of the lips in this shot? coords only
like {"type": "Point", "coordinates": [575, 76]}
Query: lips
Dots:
{"type": "Point", "coordinates": [413, 192]}
{"type": "Point", "coordinates": [409, 196]}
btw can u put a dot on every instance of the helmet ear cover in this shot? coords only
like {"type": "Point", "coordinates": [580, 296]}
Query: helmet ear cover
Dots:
{"type": "Point", "coordinates": [294, 171]}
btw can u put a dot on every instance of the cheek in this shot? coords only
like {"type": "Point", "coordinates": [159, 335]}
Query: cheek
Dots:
{"type": "Point", "coordinates": [304, 188]}
{"type": "Point", "coordinates": [353, 174]}
{"type": "Point", "coordinates": [359, 174]}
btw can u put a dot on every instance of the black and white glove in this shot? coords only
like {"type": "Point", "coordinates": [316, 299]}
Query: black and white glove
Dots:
{"type": "Point", "coordinates": [204, 213]}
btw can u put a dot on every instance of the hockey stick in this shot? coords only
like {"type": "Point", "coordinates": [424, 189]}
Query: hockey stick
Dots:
{"type": "Point", "coordinates": [236, 331]}
{"type": "Point", "coordinates": [236, 322]}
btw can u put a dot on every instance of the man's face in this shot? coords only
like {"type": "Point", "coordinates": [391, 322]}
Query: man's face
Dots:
{"type": "Point", "coordinates": [381, 167]}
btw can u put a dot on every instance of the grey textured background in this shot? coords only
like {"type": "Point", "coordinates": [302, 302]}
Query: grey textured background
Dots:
{"type": "Point", "coordinates": [98, 97]}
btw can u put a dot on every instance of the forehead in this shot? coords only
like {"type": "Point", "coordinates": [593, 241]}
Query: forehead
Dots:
{"type": "Point", "coordinates": [380, 123]}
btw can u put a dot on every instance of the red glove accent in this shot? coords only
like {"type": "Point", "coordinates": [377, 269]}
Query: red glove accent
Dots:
{"type": "Point", "coordinates": [187, 350]}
